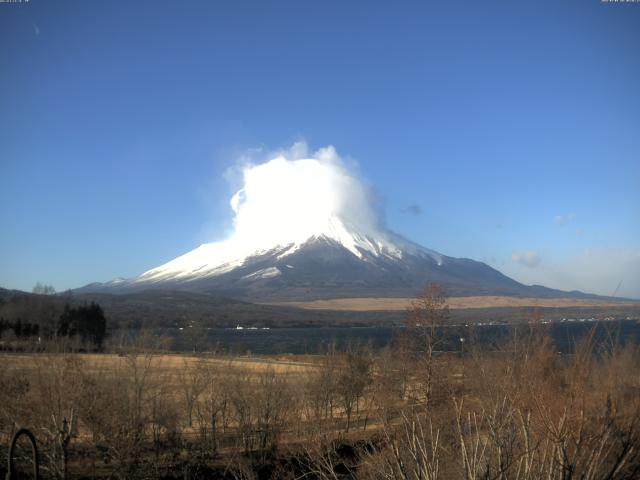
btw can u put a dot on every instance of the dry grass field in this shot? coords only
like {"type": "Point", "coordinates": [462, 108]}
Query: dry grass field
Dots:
{"type": "Point", "coordinates": [137, 407]}
{"type": "Point", "coordinates": [400, 304]}
{"type": "Point", "coordinates": [171, 364]}
{"type": "Point", "coordinates": [517, 411]}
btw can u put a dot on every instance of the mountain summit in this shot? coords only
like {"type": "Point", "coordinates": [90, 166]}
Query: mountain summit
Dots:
{"type": "Point", "coordinates": [214, 259]}
{"type": "Point", "coordinates": [305, 227]}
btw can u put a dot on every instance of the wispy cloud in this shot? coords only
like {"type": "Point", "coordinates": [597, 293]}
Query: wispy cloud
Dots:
{"type": "Point", "coordinates": [594, 270]}
{"type": "Point", "coordinates": [413, 210]}
{"type": "Point", "coordinates": [529, 259]}
{"type": "Point", "coordinates": [36, 29]}
{"type": "Point", "coordinates": [490, 260]}
{"type": "Point", "coordinates": [564, 219]}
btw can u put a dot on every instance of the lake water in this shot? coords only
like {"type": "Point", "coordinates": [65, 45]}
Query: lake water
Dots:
{"type": "Point", "coordinates": [314, 340]}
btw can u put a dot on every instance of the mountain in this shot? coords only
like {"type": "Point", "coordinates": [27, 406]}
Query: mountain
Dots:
{"type": "Point", "coordinates": [6, 295]}
{"type": "Point", "coordinates": [334, 259]}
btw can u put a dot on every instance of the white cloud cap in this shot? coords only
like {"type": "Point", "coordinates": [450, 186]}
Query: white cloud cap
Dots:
{"type": "Point", "coordinates": [296, 194]}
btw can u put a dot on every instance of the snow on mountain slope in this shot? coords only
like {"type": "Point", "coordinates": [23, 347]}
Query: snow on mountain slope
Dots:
{"type": "Point", "coordinates": [283, 203]}
{"type": "Point", "coordinates": [213, 259]}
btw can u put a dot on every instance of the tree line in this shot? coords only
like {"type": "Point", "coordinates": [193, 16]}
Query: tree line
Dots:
{"type": "Point", "coordinates": [45, 316]}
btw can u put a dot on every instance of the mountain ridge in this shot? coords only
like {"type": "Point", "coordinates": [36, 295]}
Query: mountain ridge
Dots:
{"type": "Point", "coordinates": [338, 263]}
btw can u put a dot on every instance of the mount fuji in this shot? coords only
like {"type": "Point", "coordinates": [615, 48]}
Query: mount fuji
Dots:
{"type": "Point", "coordinates": [335, 261]}
{"type": "Point", "coordinates": [305, 227]}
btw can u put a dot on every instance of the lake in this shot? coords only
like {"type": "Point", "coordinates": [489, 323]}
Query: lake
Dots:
{"type": "Point", "coordinates": [314, 340]}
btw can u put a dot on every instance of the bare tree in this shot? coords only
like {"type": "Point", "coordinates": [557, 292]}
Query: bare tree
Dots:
{"type": "Point", "coordinates": [426, 316]}
{"type": "Point", "coordinates": [212, 409]}
{"type": "Point", "coordinates": [192, 381]}
{"type": "Point", "coordinates": [321, 390]}
{"type": "Point", "coordinates": [56, 383]}
{"type": "Point", "coordinates": [353, 378]}
{"type": "Point", "coordinates": [41, 289]}
{"type": "Point", "coordinates": [272, 406]}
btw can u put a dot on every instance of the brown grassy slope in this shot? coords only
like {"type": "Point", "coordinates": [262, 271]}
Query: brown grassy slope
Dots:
{"type": "Point", "coordinates": [397, 304]}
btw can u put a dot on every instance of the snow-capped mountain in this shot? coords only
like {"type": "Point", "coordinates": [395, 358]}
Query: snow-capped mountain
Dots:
{"type": "Point", "coordinates": [335, 260]}
{"type": "Point", "coordinates": [306, 227]}
{"type": "Point", "coordinates": [214, 259]}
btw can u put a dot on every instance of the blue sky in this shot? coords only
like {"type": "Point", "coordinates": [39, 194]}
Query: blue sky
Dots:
{"type": "Point", "coordinates": [512, 129]}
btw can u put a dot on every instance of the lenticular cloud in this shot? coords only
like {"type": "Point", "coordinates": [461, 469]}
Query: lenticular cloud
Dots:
{"type": "Point", "coordinates": [296, 194]}
{"type": "Point", "coordinates": [292, 197]}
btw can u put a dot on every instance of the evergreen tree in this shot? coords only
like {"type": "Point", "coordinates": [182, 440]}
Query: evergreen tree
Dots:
{"type": "Point", "coordinates": [87, 321]}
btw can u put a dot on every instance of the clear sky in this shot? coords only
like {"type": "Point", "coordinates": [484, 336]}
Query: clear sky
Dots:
{"type": "Point", "coordinates": [507, 132]}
